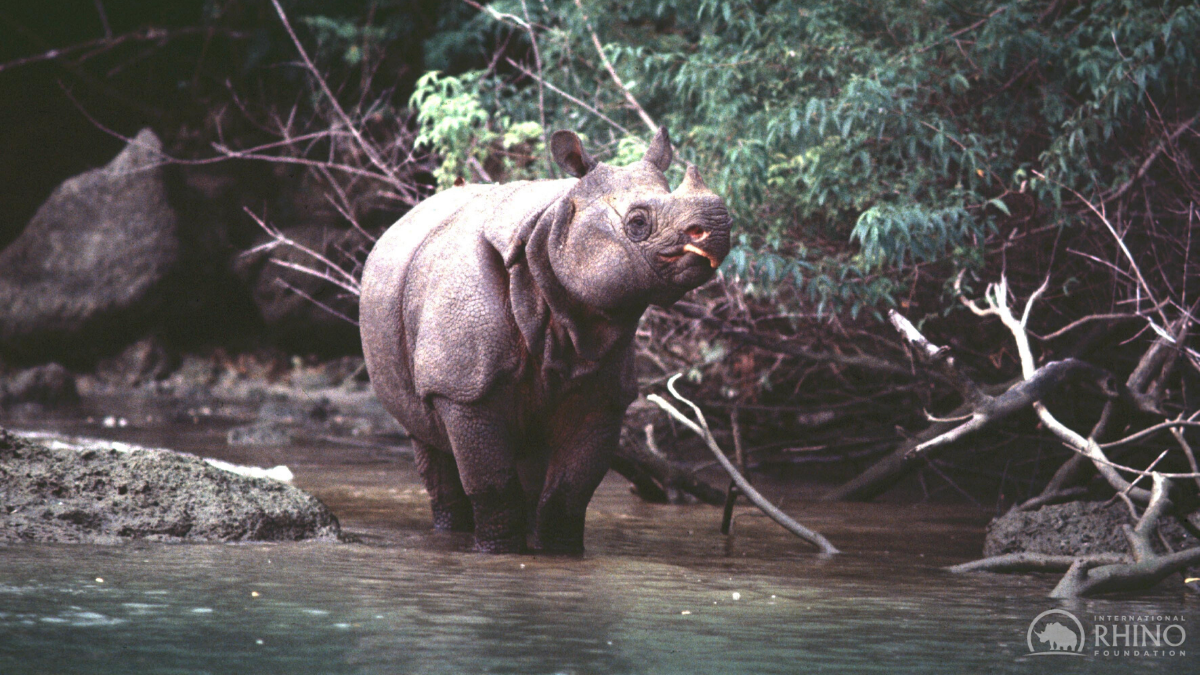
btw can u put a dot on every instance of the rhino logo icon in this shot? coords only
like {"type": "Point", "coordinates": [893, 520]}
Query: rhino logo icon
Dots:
{"type": "Point", "coordinates": [1056, 637]}
{"type": "Point", "coordinates": [1059, 636]}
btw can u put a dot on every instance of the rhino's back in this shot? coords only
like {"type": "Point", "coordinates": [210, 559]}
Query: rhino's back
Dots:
{"type": "Point", "coordinates": [428, 310]}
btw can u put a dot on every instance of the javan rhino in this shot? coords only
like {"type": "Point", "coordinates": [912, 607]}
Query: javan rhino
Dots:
{"type": "Point", "coordinates": [498, 323]}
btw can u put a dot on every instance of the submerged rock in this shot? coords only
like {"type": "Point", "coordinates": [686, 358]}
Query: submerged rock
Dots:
{"type": "Point", "coordinates": [110, 492]}
{"type": "Point", "coordinates": [50, 385]}
{"type": "Point", "coordinates": [93, 259]}
{"type": "Point", "coordinates": [1074, 528]}
{"type": "Point", "coordinates": [267, 433]}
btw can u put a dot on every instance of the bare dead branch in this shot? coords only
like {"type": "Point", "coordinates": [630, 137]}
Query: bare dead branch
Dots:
{"type": "Point", "coordinates": [331, 273]}
{"type": "Point", "coordinates": [318, 303]}
{"type": "Point", "coordinates": [1096, 317]}
{"type": "Point", "coordinates": [986, 410]}
{"type": "Point", "coordinates": [1086, 578]}
{"type": "Point", "coordinates": [612, 72]}
{"type": "Point", "coordinates": [100, 45]}
{"type": "Point", "coordinates": [1151, 158]}
{"type": "Point", "coordinates": [582, 104]}
{"type": "Point", "coordinates": [1150, 431]}
{"type": "Point", "coordinates": [537, 57]}
{"type": "Point", "coordinates": [367, 148]}
{"type": "Point", "coordinates": [1033, 562]}
{"type": "Point", "coordinates": [753, 495]}
{"type": "Point", "coordinates": [1187, 451]}
{"type": "Point", "coordinates": [1054, 497]}
{"type": "Point", "coordinates": [1099, 212]}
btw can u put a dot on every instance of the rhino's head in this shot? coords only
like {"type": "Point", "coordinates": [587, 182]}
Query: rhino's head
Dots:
{"type": "Point", "coordinates": [622, 238]}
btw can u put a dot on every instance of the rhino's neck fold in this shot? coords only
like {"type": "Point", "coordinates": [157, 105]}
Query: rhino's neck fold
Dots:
{"type": "Point", "coordinates": [564, 334]}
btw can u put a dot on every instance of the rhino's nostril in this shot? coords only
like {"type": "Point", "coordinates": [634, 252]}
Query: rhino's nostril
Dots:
{"type": "Point", "coordinates": [697, 233]}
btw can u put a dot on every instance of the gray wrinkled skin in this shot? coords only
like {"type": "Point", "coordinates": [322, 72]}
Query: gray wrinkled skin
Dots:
{"type": "Point", "coordinates": [497, 325]}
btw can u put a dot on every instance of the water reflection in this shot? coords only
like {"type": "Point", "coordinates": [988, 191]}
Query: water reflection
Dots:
{"type": "Point", "coordinates": [660, 591]}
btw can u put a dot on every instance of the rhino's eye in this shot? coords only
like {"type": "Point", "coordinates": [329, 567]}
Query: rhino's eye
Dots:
{"type": "Point", "coordinates": [638, 226]}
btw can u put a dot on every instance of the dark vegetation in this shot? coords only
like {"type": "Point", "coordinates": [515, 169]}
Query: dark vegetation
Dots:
{"type": "Point", "coordinates": [876, 155]}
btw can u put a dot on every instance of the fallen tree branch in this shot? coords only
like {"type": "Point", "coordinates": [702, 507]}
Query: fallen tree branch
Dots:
{"type": "Point", "coordinates": [1146, 377]}
{"type": "Point", "coordinates": [984, 409]}
{"type": "Point", "coordinates": [1032, 562]}
{"type": "Point", "coordinates": [748, 490]}
{"type": "Point", "coordinates": [996, 299]}
{"type": "Point", "coordinates": [1085, 579]}
{"type": "Point", "coordinates": [1088, 577]}
{"type": "Point", "coordinates": [656, 476]}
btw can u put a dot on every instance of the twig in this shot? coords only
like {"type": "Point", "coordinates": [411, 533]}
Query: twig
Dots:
{"type": "Point", "coordinates": [572, 99]}
{"type": "Point", "coordinates": [537, 57]}
{"type": "Point", "coordinates": [1096, 317]}
{"type": "Point", "coordinates": [958, 32]}
{"type": "Point", "coordinates": [339, 277]}
{"type": "Point", "coordinates": [1113, 231]}
{"type": "Point", "coordinates": [1150, 431]}
{"type": "Point", "coordinates": [753, 495]}
{"type": "Point", "coordinates": [1120, 191]}
{"type": "Point", "coordinates": [108, 42]}
{"type": "Point", "coordinates": [1054, 497]}
{"type": "Point", "coordinates": [103, 19]}
{"type": "Point", "coordinates": [612, 72]}
{"type": "Point", "coordinates": [315, 301]}
{"type": "Point", "coordinates": [1187, 451]}
{"type": "Point", "coordinates": [366, 147]}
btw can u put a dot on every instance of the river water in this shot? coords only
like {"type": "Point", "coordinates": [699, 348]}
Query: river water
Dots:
{"type": "Point", "coordinates": [659, 590]}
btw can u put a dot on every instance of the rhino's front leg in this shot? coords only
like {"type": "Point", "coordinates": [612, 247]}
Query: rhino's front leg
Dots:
{"type": "Point", "coordinates": [481, 439]}
{"type": "Point", "coordinates": [582, 444]}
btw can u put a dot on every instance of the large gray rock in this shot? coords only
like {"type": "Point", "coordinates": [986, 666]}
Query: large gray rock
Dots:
{"type": "Point", "coordinates": [1074, 528]}
{"type": "Point", "coordinates": [108, 493]}
{"type": "Point", "coordinates": [49, 384]}
{"type": "Point", "coordinates": [92, 260]}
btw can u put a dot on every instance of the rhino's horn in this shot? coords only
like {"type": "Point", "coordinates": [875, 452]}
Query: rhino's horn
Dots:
{"type": "Point", "coordinates": [692, 183]}
{"type": "Point", "coordinates": [660, 153]}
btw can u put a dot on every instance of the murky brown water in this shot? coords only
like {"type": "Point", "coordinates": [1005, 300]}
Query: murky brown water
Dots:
{"type": "Point", "coordinates": [660, 590]}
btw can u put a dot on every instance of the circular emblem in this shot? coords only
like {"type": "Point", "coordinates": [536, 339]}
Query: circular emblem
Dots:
{"type": "Point", "coordinates": [1054, 636]}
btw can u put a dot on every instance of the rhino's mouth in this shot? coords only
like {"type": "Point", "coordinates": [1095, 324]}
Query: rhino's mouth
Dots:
{"type": "Point", "coordinates": [676, 254]}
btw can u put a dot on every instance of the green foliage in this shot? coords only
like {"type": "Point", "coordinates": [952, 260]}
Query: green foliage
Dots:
{"type": "Point", "coordinates": [455, 126]}
{"type": "Point", "coordinates": [344, 37]}
{"type": "Point", "coordinates": [856, 140]}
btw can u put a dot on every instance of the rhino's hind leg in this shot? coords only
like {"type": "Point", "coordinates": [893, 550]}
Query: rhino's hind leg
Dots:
{"type": "Point", "coordinates": [451, 508]}
{"type": "Point", "coordinates": [480, 438]}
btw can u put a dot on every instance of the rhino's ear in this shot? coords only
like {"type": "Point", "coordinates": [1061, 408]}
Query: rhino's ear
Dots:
{"type": "Point", "coordinates": [569, 153]}
{"type": "Point", "coordinates": [660, 153]}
